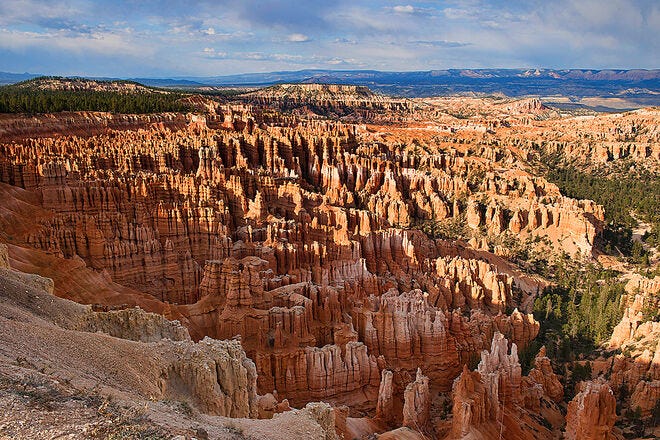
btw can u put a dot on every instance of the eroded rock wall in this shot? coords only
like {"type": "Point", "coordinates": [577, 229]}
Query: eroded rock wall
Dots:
{"type": "Point", "coordinates": [300, 236]}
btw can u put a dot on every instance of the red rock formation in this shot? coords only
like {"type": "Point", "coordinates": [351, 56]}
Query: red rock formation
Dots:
{"type": "Point", "coordinates": [4, 256]}
{"type": "Point", "coordinates": [217, 376]}
{"type": "Point", "coordinates": [501, 374]}
{"type": "Point", "coordinates": [497, 399]}
{"type": "Point", "coordinates": [591, 413]}
{"type": "Point", "coordinates": [641, 292]}
{"type": "Point", "coordinates": [637, 367]}
{"type": "Point", "coordinates": [645, 397]}
{"type": "Point", "coordinates": [471, 407]}
{"type": "Point", "coordinates": [417, 402]}
{"type": "Point", "coordinates": [82, 123]}
{"type": "Point", "coordinates": [385, 405]}
{"type": "Point", "coordinates": [408, 332]}
{"type": "Point", "coordinates": [299, 235]}
{"type": "Point", "coordinates": [327, 99]}
{"type": "Point", "coordinates": [543, 375]}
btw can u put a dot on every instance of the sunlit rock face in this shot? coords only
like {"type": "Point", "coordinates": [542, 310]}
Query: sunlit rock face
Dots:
{"type": "Point", "coordinates": [592, 412]}
{"type": "Point", "coordinates": [496, 396]}
{"type": "Point", "coordinates": [312, 241]}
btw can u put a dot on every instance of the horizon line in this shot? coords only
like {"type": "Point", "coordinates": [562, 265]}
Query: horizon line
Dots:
{"type": "Point", "coordinates": [177, 76]}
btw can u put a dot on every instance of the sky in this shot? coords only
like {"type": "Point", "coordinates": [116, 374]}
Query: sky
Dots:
{"type": "Point", "coordinates": [167, 38]}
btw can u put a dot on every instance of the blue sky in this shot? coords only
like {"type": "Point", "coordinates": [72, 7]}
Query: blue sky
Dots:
{"type": "Point", "coordinates": [188, 38]}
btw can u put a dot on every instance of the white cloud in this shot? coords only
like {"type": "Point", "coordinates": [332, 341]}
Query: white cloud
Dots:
{"type": "Point", "coordinates": [25, 11]}
{"type": "Point", "coordinates": [233, 36]}
{"type": "Point", "coordinates": [458, 14]}
{"type": "Point", "coordinates": [344, 62]}
{"type": "Point", "coordinates": [345, 41]}
{"type": "Point", "coordinates": [94, 42]}
{"type": "Point", "coordinates": [298, 38]}
{"type": "Point", "coordinates": [210, 52]}
{"type": "Point", "coordinates": [407, 9]}
{"type": "Point", "coordinates": [202, 38]}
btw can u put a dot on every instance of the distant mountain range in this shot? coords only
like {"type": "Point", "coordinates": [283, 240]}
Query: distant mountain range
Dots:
{"type": "Point", "coordinates": [621, 89]}
{"type": "Point", "coordinates": [11, 78]}
{"type": "Point", "coordinates": [431, 77]}
{"type": "Point", "coordinates": [637, 86]}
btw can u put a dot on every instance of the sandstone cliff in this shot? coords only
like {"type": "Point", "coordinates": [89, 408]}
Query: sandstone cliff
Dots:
{"type": "Point", "coordinates": [335, 253]}
{"type": "Point", "coordinates": [591, 413]}
{"type": "Point", "coordinates": [634, 373]}
{"type": "Point", "coordinates": [496, 399]}
{"type": "Point", "coordinates": [64, 353]}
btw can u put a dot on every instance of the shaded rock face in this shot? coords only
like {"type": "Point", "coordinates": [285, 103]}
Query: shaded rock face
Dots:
{"type": "Point", "coordinates": [216, 375]}
{"type": "Point", "coordinates": [543, 374]}
{"type": "Point", "coordinates": [645, 396]}
{"type": "Point", "coordinates": [416, 402]}
{"type": "Point", "coordinates": [471, 408]}
{"type": "Point", "coordinates": [134, 324]}
{"type": "Point", "coordinates": [496, 397]}
{"type": "Point", "coordinates": [384, 406]}
{"type": "Point", "coordinates": [4, 256]}
{"type": "Point", "coordinates": [592, 413]}
{"type": "Point", "coordinates": [637, 367]}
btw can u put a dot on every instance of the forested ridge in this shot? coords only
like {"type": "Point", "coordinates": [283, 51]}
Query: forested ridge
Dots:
{"type": "Point", "coordinates": [579, 311]}
{"type": "Point", "coordinates": [28, 97]}
{"type": "Point", "coordinates": [627, 198]}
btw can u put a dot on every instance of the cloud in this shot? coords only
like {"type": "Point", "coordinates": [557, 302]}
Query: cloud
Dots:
{"type": "Point", "coordinates": [229, 36]}
{"type": "Point", "coordinates": [458, 13]}
{"type": "Point", "coordinates": [296, 59]}
{"type": "Point", "coordinates": [210, 52]}
{"type": "Point", "coordinates": [297, 38]}
{"type": "Point", "coordinates": [345, 41]}
{"type": "Point", "coordinates": [335, 62]}
{"type": "Point", "coordinates": [407, 9]}
{"type": "Point", "coordinates": [92, 42]}
{"type": "Point", "coordinates": [239, 35]}
{"type": "Point", "coordinates": [40, 12]}
{"type": "Point", "coordinates": [413, 10]}
{"type": "Point", "coordinates": [439, 43]}
{"type": "Point", "coordinates": [292, 15]}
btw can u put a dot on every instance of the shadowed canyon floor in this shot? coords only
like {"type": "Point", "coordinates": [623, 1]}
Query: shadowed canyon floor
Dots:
{"type": "Point", "coordinates": [201, 275]}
